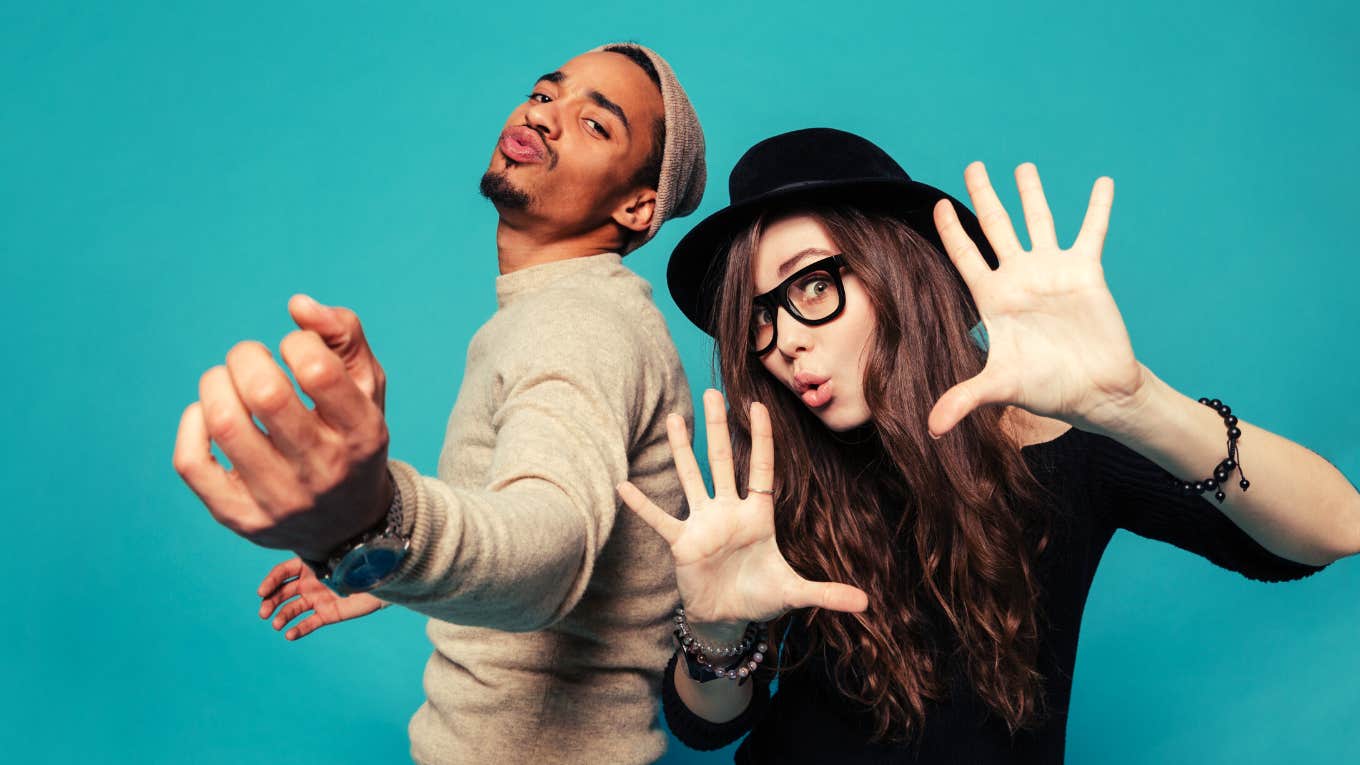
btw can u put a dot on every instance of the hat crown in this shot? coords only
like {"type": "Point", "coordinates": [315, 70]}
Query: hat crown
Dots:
{"type": "Point", "coordinates": [809, 158]}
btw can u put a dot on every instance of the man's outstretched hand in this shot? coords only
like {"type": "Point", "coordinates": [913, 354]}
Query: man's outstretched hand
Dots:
{"type": "Point", "coordinates": [311, 478]}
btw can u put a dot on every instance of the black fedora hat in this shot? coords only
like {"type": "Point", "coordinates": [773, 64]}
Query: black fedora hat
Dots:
{"type": "Point", "coordinates": [804, 165]}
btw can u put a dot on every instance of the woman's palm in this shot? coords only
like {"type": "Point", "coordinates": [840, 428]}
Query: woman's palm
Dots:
{"type": "Point", "coordinates": [728, 565]}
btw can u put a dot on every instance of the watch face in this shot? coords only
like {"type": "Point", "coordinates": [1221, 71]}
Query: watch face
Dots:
{"type": "Point", "coordinates": [366, 566]}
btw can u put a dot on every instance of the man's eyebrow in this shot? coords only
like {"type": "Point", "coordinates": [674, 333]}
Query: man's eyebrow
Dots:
{"type": "Point", "coordinates": [612, 107]}
{"type": "Point", "coordinates": [797, 257]}
{"type": "Point", "coordinates": [553, 77]}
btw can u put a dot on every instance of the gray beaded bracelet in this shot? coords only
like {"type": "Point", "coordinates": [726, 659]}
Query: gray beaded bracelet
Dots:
{"type": "Point", "coordinates": [699, 656]}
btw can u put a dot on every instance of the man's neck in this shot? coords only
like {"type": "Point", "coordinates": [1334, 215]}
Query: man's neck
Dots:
{"type": "Point", "coordinates": [519, 247]}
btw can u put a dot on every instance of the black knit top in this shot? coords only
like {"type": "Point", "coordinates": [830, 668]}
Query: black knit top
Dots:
{"type": "Point", "coordinates": [1099, 486]}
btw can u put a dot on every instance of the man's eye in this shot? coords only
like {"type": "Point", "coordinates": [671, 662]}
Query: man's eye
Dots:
{"type": "Point", "coordinates": [597, 127]}
{"type": "Point", "coordinates": [541, 98]}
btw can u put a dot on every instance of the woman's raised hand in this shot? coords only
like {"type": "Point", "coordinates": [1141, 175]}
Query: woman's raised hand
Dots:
{"type": "Point", "coordinates": [727, 565]}
{"type": "Point", "coordinates": [1058, 346]}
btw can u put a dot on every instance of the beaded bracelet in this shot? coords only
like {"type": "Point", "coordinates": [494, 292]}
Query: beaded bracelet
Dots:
{"type": "Point", "coordinates": [1224, 469]}
{"type": "Point", "coordinates": [699, 656]}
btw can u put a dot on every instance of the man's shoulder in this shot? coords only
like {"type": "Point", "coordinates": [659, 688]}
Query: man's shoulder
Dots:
{"type": "Point", "coordinates": [613, 313]}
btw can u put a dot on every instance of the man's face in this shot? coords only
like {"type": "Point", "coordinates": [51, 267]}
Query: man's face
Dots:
{"type": "Point", "coordinates": [568, 154]}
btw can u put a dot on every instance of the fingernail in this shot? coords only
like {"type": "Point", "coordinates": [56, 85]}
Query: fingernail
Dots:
{"type": "Point", "coordinates": [932, 435]}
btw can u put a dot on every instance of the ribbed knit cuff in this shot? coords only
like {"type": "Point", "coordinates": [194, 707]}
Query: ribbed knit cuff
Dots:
{"type": "Point", "coordinates": [697, 733]}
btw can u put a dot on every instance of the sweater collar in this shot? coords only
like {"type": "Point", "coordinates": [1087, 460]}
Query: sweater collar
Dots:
{"type": "Point", "coordinates": [526, 280]}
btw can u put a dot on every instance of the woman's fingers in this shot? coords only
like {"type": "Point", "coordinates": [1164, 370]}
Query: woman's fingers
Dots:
{"type": "Point", "coordinates": [1091, 238]}
{"type": "Point", "coordinates": [996, 224]}
{"type": "Point", "coordinates": [832, 596]}
{"type": "Point", "coordinates": [1038, 218]}
{"type": "Point", "coordinates": [662, 522]}
{"type": "Point", "coordinates": [719, 445]}
{"type": "Point", "coordinates": [958, 402]}
{"type": "Point", "coordinates": [762, 450]}
{"type": "Point", "coordinates": [960, 247]}
{"type": "Point", "coordinates": [686, 466]}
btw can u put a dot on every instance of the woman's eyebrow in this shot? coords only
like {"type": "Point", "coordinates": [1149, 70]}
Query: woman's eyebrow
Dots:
{"type": "Point", "coordinates": [794, 259]}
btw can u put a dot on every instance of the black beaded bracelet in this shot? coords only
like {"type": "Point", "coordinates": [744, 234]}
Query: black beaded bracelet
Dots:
{"type": "Point", "coordinates": [1219, 479]}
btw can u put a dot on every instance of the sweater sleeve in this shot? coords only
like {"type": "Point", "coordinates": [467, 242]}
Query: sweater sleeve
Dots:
{"type": "Point", "coordinates": [1137, 494]}
{"type": "Point", "coordinates": [517, 553]}
{"type": "Point", "coordinates": [697, 733]}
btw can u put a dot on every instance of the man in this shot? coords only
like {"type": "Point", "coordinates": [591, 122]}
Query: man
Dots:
{"type": "Point", "coordinates": [549, 604]}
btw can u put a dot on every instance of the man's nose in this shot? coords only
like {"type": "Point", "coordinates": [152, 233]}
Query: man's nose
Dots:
{"type": "Point", "coordinates": [544, 118]}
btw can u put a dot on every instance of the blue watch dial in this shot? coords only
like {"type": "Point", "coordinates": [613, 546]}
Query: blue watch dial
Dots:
{"type": "Point", "coordinates": [365, 567]}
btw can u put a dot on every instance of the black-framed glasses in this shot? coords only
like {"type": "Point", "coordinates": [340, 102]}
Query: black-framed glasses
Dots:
{"type": "Point", "coordinates": [813, 295]}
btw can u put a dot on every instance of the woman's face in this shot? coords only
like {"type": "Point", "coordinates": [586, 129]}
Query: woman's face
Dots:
{"type": "Point", "coordinates": [822, 365]}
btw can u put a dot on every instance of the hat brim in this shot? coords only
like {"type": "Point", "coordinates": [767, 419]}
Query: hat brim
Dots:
{"type": "Point", "coordinates": [697, 263]}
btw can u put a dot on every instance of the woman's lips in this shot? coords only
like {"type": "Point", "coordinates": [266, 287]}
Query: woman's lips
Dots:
{"type": "Point", "coordinates": [522, 144]}
{"type": "Point", "coordinates": [818, 396]}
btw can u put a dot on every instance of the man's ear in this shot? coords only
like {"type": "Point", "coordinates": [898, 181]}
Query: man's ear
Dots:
{"type": "Point", "coordinates": [636, 210]}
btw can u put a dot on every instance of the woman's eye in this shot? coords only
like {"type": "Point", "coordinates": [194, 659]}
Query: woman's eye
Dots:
{"type": "Point", "coordinates": [541, 98]}
{"type": "Point", "coordinates": [761, 317]}
{"type": "Point", "coordinates": [597, 128]}
{"type": "Point", "coordinates": [815, 288]}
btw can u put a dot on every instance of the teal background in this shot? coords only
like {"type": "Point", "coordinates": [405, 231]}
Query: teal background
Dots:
{"type": "Point", "coordinates": [171, 173]}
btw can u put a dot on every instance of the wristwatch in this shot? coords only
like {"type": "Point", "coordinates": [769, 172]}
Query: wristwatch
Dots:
{"type": "Point", "coordinates": [369, 559]}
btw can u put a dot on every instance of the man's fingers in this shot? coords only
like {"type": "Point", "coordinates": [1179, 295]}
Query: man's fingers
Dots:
{"type": "Point", "coordinates": [321, 374]}
{"type": "Point", "coordinates": [272, 601]}
{"type": "Point", "coordinates": [195, 463]}
{"type": "Point", "coordinates": [662, 522]}
{"type": "Point", "coordinates": [231, 427]}
{"type": "Point", "coordinates": [719, 445]}
{"type": "Point", "coordinates": [829, 595]}
{"type": "Point", "coordinates": [289, 569]}
{"type": "Point", "coordinates": [305, 627]}
{"type": "Point", "coordinates": [686, 466]}
{"type": "Point", "coordinates": [996, 224]}
{"type": "Point", "coordinates": [342, 332]}
{"type": "Point", "coordinates": [762, 449]}
{"type": "Point", "coordinates": [226, 499]}
{"type": "Point", "coordinates": [268, 394]}
{"type": "Point", "coordinates": [290, 611]}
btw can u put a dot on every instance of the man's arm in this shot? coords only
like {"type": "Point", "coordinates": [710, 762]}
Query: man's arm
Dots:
{"type": "Point", "coordinates": [518, 553]}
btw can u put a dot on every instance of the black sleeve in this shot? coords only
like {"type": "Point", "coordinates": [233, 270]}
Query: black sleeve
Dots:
{"type": "Point", "coordinates": [1138, 495]}
{"type": "Point", "coordinates": [697, 733]}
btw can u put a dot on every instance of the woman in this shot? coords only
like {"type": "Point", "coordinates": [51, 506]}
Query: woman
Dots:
{"type": "Point", "coordinates": [923, 536]}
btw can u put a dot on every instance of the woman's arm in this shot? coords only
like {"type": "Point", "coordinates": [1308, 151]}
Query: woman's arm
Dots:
{"type": "Point", "coordinates": [1298, 506]}
{"type": "Point", "coordinates": [1058, 347]}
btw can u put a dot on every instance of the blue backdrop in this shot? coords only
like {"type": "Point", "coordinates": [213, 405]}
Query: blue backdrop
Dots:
{"type": "Point", "coordinates": [170, 174]}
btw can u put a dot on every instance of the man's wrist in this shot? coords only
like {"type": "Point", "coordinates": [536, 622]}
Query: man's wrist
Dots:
{"type": "Point", "coordinates": [377, 521]}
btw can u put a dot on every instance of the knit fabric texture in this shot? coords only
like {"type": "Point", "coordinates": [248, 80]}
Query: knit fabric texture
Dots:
{"type": "Point", "coordinates": [550, 600]}
{"type": "Point", "coordinates": [683, 170]}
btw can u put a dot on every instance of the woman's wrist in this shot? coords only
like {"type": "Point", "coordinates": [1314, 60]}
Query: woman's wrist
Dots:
{"type": "Point", "coordinates": [719, 633]}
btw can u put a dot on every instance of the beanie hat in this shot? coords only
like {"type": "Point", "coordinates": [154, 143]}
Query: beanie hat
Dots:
{"type": "Point", "coordinates": [683, 172]}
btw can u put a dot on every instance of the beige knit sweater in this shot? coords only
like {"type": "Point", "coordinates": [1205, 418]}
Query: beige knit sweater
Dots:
{"type": "Point", "coordinates": [550, 599]}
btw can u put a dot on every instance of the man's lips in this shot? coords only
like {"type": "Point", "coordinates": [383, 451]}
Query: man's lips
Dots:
{"type": "Point", "coordinates": [523, 145]}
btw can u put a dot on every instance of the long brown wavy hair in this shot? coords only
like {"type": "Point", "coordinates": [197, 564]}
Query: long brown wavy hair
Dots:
{"type": "Point", "coordinates": [943, 535]}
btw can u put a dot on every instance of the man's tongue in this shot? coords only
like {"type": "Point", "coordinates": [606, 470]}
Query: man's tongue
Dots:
{"type": "Point", "coordinates": [817, 395]}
